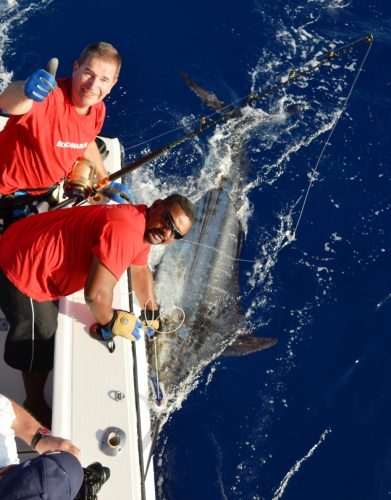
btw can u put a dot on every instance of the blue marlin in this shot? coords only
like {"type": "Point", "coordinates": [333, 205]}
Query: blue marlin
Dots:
{"type": "Point", "coordinates": [197, 287]}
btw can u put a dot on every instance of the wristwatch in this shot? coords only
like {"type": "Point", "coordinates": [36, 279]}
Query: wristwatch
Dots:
{"type": "Point", "coordinates": [41, 433]}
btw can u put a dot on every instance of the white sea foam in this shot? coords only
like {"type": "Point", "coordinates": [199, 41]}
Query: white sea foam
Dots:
{"type": "Point", "coordinates": [284, 483]}
{"type": "Point", "coordinates": [13, 13]}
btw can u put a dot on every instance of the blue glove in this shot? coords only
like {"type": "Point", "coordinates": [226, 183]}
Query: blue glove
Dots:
{"type": "Point", "coordinates": [119, 193]}
{"type": "Point", "coordinates": [39, 85]}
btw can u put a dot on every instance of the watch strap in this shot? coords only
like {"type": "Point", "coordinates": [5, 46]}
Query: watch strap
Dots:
{"type": "Point", "coordinates": [41, 433]}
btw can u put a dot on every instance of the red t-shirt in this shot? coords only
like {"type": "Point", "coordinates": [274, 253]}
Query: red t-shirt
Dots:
{"type": "Point", "coordinates": [39, 148]}
{"type": "Point", "coordinates": [49, 255]}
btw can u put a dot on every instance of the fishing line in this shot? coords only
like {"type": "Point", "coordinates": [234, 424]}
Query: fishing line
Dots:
{"type": "Point", "coordinates": [147, 141]}
{"type": "Point", "coordinates": [327, 142]}
{"type": "Point", "coordinates": [291, 236]}
{"type": "Point", "coordinates": [191, 122]}
{"type": "Point", "coordinates": [218, 251]}
{"type": "Point", "coordinates": [231, 110]}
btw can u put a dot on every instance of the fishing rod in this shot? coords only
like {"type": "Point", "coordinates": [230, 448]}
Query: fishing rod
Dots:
{"type": "Point", "coordinates": [224, 113]}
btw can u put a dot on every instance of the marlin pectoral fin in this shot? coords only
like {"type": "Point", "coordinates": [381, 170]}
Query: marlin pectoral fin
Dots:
{"type": "Point", "coordinates": [248, 344]}
{"type": "Point", "coordinates": [209, 98]}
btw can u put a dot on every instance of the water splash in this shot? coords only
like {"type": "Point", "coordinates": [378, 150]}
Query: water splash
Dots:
{"type": "Point", "coordinates": [381, 303]}
{"type": "Point", "coordinates": [284, 483]}
{"type": "Point", "coordinates": [13, 13]}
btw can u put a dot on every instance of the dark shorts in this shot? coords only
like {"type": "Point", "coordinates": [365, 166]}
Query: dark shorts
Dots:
{"type": "Point", "coordinates": [29, 346]}
{"type": "Point", "coordinates": [55, 476]}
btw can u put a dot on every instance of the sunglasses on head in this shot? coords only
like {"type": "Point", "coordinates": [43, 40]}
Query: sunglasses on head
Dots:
{"type": "Point", "coordinates": [171, 226]}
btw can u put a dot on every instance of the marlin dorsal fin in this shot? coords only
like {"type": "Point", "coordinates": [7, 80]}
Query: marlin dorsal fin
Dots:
{"type": "Point", "coordinates": [208, 97]}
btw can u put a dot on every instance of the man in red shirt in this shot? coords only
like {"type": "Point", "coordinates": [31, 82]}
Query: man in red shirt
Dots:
{"type": "Point", "coordinates": [57, 253]}
{"type": "Point", "coordinates": [53, 124]}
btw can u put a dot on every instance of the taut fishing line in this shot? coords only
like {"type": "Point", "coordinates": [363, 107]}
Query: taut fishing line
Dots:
{"type": "Point", "coordinates": [327, 142]}
{"type": "Point", "coordinates": [292, 236]}
{"type": "Point", "coordinates": [231, 110]}
{"type": "Point", "coordinates": [218, 251]}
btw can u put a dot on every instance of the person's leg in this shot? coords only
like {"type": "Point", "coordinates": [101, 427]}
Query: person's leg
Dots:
{"type": "Point", "coordinates": [30, 343]}
{"type": "Point", "coordinates": [57, 475]}
{"type": "Point", "coordinates": [35, 403]}
{"type": "Point", "coordinates": [45, 325]}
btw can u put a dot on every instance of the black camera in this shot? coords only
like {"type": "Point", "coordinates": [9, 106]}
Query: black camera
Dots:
{"type": "Point", "coordinates": [95, 475]}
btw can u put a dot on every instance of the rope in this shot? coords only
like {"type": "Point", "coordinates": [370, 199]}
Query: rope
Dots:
{"type": "Point", "coordinates": [149, 322]}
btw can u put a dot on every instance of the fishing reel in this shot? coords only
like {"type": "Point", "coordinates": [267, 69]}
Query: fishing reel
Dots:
{"type": "Point", "coordinates": [80, 182]}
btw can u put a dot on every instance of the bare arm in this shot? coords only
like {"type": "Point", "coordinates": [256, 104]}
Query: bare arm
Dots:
{"type": "Point", "coordinates": [25, 427]}
{"type": "Point", "coordinates": [92, 153]}
{"type": "Point", "coordinates": [142, 284]}
{"type": "Point", "coordinates": [13, 100]}
{"type": "Point", "coordinates": [98, 291]}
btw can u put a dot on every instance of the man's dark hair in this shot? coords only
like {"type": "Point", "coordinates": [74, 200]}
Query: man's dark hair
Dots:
{"type": "Point", "coordinates": [185, 204]}
{"type": "Point", "coordinates": [103, 50]}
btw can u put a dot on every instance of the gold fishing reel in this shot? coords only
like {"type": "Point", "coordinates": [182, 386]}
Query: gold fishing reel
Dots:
{"type": "Point", "coordinates": [80, 182]}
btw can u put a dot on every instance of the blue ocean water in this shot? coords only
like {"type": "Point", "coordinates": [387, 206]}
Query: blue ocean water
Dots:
{"type": "Point", "coordinates": [308, 419]}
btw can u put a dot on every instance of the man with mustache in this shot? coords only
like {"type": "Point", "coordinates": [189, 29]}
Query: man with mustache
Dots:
{"type": "Point", "coordinates": [57, 253]}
